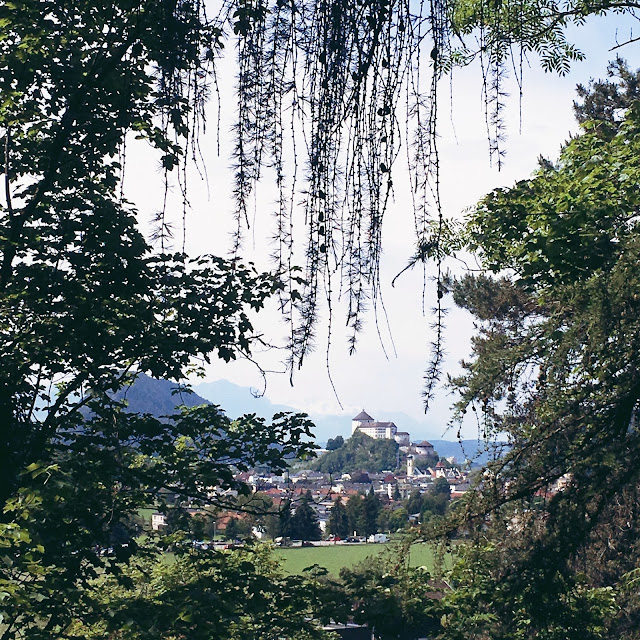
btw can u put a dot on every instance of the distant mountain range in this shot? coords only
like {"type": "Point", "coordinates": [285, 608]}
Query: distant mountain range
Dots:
{"type": "Point", "coordinates": [236, 400]}
{"type": "Point", "coordinates": [157, 397]}
{"type": "Point", "coordinates": [161, 397]}
{"type": "Point", "coordinates": [476, 450]}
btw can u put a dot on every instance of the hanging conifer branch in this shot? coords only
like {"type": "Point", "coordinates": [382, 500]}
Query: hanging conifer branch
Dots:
{"type": "Point", "coordinates": [320, 86]}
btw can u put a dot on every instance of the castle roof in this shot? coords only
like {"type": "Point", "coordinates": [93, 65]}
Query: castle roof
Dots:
{"type": "Point", "coordinates": [424, 443]}
{"type": "Point", "coordinates": [362, 416]}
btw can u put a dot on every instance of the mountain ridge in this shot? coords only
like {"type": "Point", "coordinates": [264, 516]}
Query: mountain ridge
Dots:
{"type": "Point", "coordinates": [236, 400]}
{"type": "Point", "coordinates": [162, 397]}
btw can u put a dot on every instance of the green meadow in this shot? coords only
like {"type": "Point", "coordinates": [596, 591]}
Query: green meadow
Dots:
{"type": "Point", "coordinates": [334, 557]}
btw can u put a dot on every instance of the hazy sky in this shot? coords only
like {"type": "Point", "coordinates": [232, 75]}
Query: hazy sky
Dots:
{"type": "Point", "coordinates": [369, 379]}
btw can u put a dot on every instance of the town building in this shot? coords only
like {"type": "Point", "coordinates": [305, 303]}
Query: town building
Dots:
{"type": "Point", "coordinates": [424, 448]}
{"type": "Point", "coordinates": [378, 430]}
{"type": "Point", "coordinates": [158, 520]}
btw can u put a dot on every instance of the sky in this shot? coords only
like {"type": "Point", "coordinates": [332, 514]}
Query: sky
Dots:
{"type": "Point", "coordinates": [386, 375]}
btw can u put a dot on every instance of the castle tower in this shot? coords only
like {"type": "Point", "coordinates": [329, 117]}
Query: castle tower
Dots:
{"type": "Point", "coordinates": [361, 420]}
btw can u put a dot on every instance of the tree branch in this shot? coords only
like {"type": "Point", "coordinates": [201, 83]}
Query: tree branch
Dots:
{"type": "Point", "coordinates": [624, 44]}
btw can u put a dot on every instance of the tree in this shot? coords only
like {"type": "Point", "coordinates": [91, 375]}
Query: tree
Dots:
{"type": "Point", "coordinates": [360, 477]}
{"type": "Point", "coordinates": [266, 603]}
{"type": "Point", "coordinates": [86, 302]}
{"type": "Point", "coordinates": [555, 367]}
{"type": "Point", "coordinates": [203, 525]}
{"type": "Point", "coordinates": [334, 443]}
{"type": "Point", "coordinates": [354, 67]}
{"type": "Point", "coordinates": [177, 519]}
{"type": "Point", "coordinates": [397, 519]}
{"type": "Point", "coordinates": [355, 513]}
{"type": "Point", "coordinates": [414, 502]}
{"type": "Point", "coordinates": [424, 462]}
{"type": "Point", "coordinates": [436, 500]}
{"type": "Point", "coordinates": [480, 606]}
{"type": "Point", "coordinates": [238, 529]}
{"type": "Point", "coordinates": [338, 523]}
{"type": "Point", "coordinates": [394, 600]}
{"type": "Point", "coordinates": [231, 531]}
{"type": "Point", "coordinates": [151, 78]}
{"type": "Point", "coordinates": [371, 510]}
{"type": "Point", "coordinates": [304, 524]}
{"type": "Point", "coordinates": [278, 522]}
{"type": "Point", "coordinates": [604, 102]}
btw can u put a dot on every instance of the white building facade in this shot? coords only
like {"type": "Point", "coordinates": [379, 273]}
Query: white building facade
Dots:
{"type": "Point", "coordinates": [376, 430]}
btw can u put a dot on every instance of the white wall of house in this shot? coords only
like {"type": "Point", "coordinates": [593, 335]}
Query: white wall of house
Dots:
{"type": "Point", "coordinates": [157, 520]}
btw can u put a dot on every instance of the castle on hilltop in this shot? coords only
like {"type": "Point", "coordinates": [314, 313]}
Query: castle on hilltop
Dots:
{"type": "Point", "coordinates": [379, 430]}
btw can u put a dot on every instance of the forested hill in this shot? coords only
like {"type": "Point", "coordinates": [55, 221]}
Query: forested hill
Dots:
{"type": "Point", "coordinates": [359, 452]}
{"type": "Point", "coordinates": [160, 398]}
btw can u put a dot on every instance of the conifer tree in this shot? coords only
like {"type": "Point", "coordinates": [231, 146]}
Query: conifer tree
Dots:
{"type": "Point", "coordinates": [338, 523]}
{"type": "Point", "coordinates": [355, 513]}
{"type": "Point", "coordinates": [371, 510]}
{"type": "Point", "coordinates": [304, 523]}
{"type": "Point", "coordinates": [555, 367]}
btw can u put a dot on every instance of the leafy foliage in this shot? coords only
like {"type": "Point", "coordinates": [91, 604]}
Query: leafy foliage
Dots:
{"type": "Point", "coordinates": [205, 595]}
{"type": "Point", "coordinates": [363, 513]}
{"type": "Point", "coordinates": [355, 514]}
{"type": "Point", "coordinates": [338, 523]}
{"type": "Point", "coordinates": [371, 507]}
{"type": "Point", "coordinates": [555, 368]}
{"type": "Point", "coordinates": [604, 102]}
{"type": "Point", "coordinates": [434, 501]}
{"type": "Point", "coordinates": [395, 601]}
{"type": "Point", "coordinates": [304, 523]}
{"type": "Point", "coordinates": [66, 510]}
{"type": "Point", "coordinates": [334, 443]}
{"type": "Point", "coordinates": [86, 304]}
{"type": "Point", "coordinates": [479, 606]}
{"type": "Point", "coordinates": [393, 519]}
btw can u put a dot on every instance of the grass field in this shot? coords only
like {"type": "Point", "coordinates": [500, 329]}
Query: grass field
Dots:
{"type": "Point", "coordinates": [335, 557]}
{"type": "Point", "coordinates": [145, 514]}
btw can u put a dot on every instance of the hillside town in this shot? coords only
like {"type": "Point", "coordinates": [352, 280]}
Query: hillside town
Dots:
{"type": "Point", "coordinates": [401, 493]}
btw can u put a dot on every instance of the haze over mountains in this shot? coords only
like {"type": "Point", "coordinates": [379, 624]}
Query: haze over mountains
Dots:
{"type": "Point", "coordinates": [161, 397]}
{"type": "Point", "coordinates": [236, 400]}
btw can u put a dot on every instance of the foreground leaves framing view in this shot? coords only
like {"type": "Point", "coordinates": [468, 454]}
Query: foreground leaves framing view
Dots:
{"type": "Point", "coordinates": [556, 368]}
{"type": "Point", "coordinates": [86, 303]}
